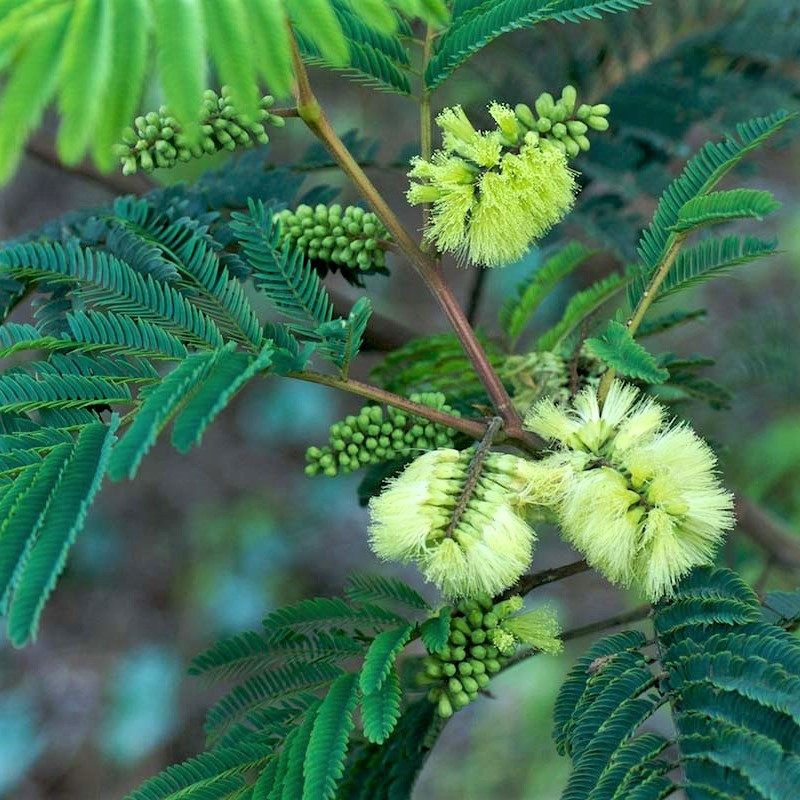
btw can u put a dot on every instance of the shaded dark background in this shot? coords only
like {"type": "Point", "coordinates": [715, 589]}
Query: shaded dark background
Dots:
{"type": "Point", "coordinates": [204, 545]}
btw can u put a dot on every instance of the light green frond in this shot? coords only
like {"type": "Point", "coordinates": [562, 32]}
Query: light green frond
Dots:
{"type": "Point", "coordinates": [617, 348]}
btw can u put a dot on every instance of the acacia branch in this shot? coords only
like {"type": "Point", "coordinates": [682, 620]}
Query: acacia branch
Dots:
{"type": "Point", "coordinates": [527, 583]}
{"type": "Point", "coordinates": [471, 427]}
{"type": "Point", "coordinates": [425, 264]}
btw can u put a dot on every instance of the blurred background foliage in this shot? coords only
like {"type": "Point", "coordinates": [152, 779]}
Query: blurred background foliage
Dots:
{"type": "Point", "coordinates": [206, 545]}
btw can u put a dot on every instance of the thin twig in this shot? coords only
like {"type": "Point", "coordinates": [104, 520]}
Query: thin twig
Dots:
{"type": "Point", "coordinates": [472, 427]}
{"type": "Point", "coordinates": [527, 583]}
{"type": "Point", "coordinates": [424, 263]}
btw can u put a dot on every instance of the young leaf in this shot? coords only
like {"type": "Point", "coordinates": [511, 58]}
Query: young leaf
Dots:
{"type": "Point", "coordinates": [324, 764]}
{"type": "Point", "coordinates": [57, 527]}
{"type": "Point", "coordinates": [720, 207]}
{"type": "Point", "coordinates": [381, 709]}
{"type": "Point", "coordinates": [381, 656]}
{"type": "Point", "coordinates": [435, 631]}
{"type": "Point", "coordinates": [619, 350]}
{"type": "Point", "coordinates": [231, 370]}
{"type": "Point", "coordinates": [382, 589]}
{"type": "Point", "coordinates": [517, 311]}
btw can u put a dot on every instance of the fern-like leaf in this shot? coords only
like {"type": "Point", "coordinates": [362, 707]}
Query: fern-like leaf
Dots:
{"type": "Point", "coordinates": [579, 309]}
{"type": "Point", "coordinates": [324, 764]}
{"type": "Point", "coordinates": [158, 406]}
{"type": "Point", "coordinates": [435, 631]}
{"type": "Point", "coordinates": [384, 590]}
{"type": "Point", "coordinates": [720, 207]}
{"type": "Point", "coordinates": [477, 26]}
{"type": "Point", "coordinates": [326, 613]}
{"type": "Point", "coordinates": [266, 689]}
{"type": "Point", "coordinates": [713, 257]}
{"type": "Point", "coordinates": [617, 348]}
{"type": "Point", "coordinates": [381, 656]}
{"type": "Point", "coordinates": [229, 373]}
{"type": "Point", "coordinates": [57, 525]}
{"type": "Point", "coordinates": [217, 770]}
{"type": "Point", "coordinates": [110, 283]}
{"type": "Point", "coordinates": [517, 311]}
{"type": "Point", "coordinates": [701, 174]}
{"type": "Point", "coordinates": [380, 709]}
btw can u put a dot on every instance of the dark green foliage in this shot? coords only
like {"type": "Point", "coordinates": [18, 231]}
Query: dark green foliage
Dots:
{"type": "Point", "coordinates": [435, 631]}
{"type": "Point", "coordinates": [728, 679]}
{"type": "Point", "coordinates": [617, 348]}
{"type": "Point", "coordinates": [517, 311]}
{"type": "Point", "coordinates": [720, 207]}
{"type": "Point", "coordinates": [380, 658]}
{"type": "Point", "coordinates": [477, 26]}
{"type": "Point", "coordinates": [384, 590]}
{"type": "Point", "coordinates": [580, 309]}
{"type": "Point", "coordinates": [380, 709]}
{"type": "Point", "coordinates": [42, 513]}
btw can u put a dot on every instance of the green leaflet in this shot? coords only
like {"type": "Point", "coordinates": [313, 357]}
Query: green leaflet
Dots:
{"type": "Point", "coordinates": [324, 765]}
{"type": "Point", "coordinates": [228, 374]}
{"type": "Point", "coordinates": [383, 589]}
{"type": "Point", "coordinates": [517, 311]}
{"type": "Point", "coordinates": [701, 174]}
{"type": "Point", "coordinates": [157, 407]}
{"type": "Point", "coordinates": [720, 207]}
{"type": "Point", "coordinates": [126, 73]}
{"type": "Point", "coordinates": [731, 682]}
{"type": "Point", "coordinates": [58, 521]}
{"type": "Point", "coordinates": [180, 32]}
{"type": "Point", "coordinates": [219, 769]}
{"type": "Point", "coordinates": [229, 43]}
{"type": "Point", "coordinates": [83, 75]}
{"type": "Point", "coordinates": [263, 690]}
{"type": "Point", "coordinates": [435, 631]}
{"type": "Point", "coordinates": [321, 614]}
{"type": "Point", "coordinates": [380, 709]}
{"type": "Point", "coordinates": [293, 780]}
{"type": "Point", "coordinates": [123, 334]}
{"type": "Point", "coordinates": [32, 83]}
{"type": "Point", "coordinates": [110, 283]}
{"type": "Point", "coordinates": [381, 656]}
{"type": "Point", "coordinates": [617, 348]}
{"type": "Point", "coordinates": [579, 309]}
{"type": "Point", "coordinates": [713, 257]}
{"type": "Point", "coordinates": [478, 25]}
{"type": "Point", "coordinates": [271, 45]}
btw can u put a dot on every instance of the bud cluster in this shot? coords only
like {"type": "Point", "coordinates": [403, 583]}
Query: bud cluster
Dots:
{"type": "Point", "coordinates": [562, 122]}
{"type": "Point", "coordinates": [462, 524]}
{"type": "Point", "coordinates": [350, 239]}
{"type": "Point", "coordinates": [637, 494]}
{"type": "Point", "coordinates": [158, 140]}
{"type": "Point", "coordinates": [373, 436]}
{"type": "Point", "coordinates": [483, 636]}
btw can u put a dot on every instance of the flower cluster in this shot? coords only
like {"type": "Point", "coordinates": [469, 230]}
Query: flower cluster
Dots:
{"type": "Point", "coordinates": [465, 531]}
{"type": "Point", "coordinates": [373, 436]}
{"type": "Point", "coordinates": [483, 635]}
{"type": "Point", "coordinates": [350, 239]}
{"type": "Point", "coordinates": [158, 140]}
{"type": "Point", "coordinates": [491, 201]}
{"type": "Point", "coordinates": [637, 494]}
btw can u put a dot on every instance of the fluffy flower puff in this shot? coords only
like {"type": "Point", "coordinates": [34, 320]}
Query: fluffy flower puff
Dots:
{"type": "Point", "coordinates": [639, 496]}
{"type": "Point", "coordinates": [490, 203]}
{"type": "Point", "coordinates": [485, 552]}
